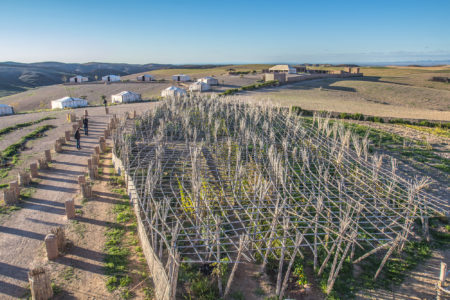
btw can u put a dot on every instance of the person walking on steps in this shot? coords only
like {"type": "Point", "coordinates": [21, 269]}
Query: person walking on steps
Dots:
{"type": "Point", "coordinates": [85, 125]}
{"type": "Point", "coordinates": [77, 137]}
{"type": "Point", "coordinates": [105, 102]}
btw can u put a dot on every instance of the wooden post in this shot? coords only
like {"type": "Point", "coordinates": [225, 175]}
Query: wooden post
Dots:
{"type": "Point", "coordinates": [134, 114]}
{"type": "Point", "coordinates": [14, 185]}
{"type": "Point", "coordinates": [70, 209]}
{"type": "Point", "coordinates": [58, 232]}
{"type": "Point", "coordinates": [86, 190]}
{"type": "Point", "coordinates": [34, 170]}
{"type": "Point", "coordinates": [81, 179]}
{"type": "Point", "coordinates": [51, 245]}
{"type": "Point", "coordinates": [48, 155]}
{"type": "Point", "coordinates": [235, 265]}
{"type": "Point", "coordinates": [426, 231]}
{"type": "Point", "coordinates": [58, 148]}
{"type": "Point", "coordinates": [23, 178]}
{"type": "Point", "coordinates": [9, 196]}
{"type": "Point", "coordinates": [67, 134]}
{"type": "Point", "coordinates": [442, 277]}
{"type": "Point", "coordinates": [102, 143]}
{"type": "Point", "coordinates": [42, 162]}
{"type": "Point", "coordinates": [74, 128]}
{"type": "Point", "coordinates": [40, 284]}
{"type": "Point", "coordinates": [97, 150]}
{"type": "Point", "coordinates": [91, 173]}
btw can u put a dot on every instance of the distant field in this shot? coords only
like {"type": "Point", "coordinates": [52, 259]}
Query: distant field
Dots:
{"type": "Point", "coordinates": [197, 73]}
{"type": "Point", "coordinates": [400, 92]}
{"type": "Point", "coordinates": [416, 76]}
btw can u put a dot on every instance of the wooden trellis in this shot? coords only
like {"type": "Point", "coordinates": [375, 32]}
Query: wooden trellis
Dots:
{"type": "Point", "coordinates": [210, 174]}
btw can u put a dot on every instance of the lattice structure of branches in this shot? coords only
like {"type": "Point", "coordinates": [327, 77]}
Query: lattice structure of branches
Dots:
{"type": "Point", "coordinates": [219, 178]}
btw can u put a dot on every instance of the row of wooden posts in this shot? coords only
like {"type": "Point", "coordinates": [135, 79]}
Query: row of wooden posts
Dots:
{"type": "Point", "coordinates": [11, 195]}
{"type": "Point", "coordinates": [55, 241]}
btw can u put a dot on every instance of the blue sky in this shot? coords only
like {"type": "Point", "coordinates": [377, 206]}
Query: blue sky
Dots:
{"type": "Point", "coordinates": [224, 31]}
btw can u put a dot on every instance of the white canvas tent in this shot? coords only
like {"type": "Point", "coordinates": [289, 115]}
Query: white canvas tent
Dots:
{"type": "Point", "coordinates": [145, 77]}
{"type": "Point", "coordinates": [78, 79]}
{"type": "Point", "coordinates": [125, 96]}
{"type": "Point", "coordinates": [6, 110]}
{"type": "Point", "coordinates": [111, 78]}
{"type": "Point", "coordinates": [181, 77]}
{"type": "Point", "coordinates": [199, 87]}
{"type": "Point", "coordinates": [173, 91]}
{"type": "Point", "coordinates": [209, 80]}
{"type": "Point", "coordinates": [68, 102]}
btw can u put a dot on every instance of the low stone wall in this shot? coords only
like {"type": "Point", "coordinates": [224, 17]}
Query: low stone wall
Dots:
{"type": "Point", "coordinates": [164, 288]}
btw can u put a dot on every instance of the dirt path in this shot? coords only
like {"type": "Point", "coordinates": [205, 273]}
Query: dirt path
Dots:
{"type": "Point", "coordinates": [80, 271]}
{"type": "Point", "coordinates": [22, 234]}
{"type": "Point", "coordinates": [419, 284]}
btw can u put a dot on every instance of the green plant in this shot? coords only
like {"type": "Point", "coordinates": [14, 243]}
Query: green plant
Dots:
{"type": "Point", "coordinates": [299, 273]}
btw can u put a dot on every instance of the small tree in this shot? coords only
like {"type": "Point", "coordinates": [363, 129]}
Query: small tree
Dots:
{"type": "Point", "coordinates": [96, 77]}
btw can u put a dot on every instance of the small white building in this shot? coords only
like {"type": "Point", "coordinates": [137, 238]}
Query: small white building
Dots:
{"type": "Point", "coordinates": [181, 77]}
{"type": "Point", "coordinates": [69, 102]}
{"type": "Point", "coordinates": [145, 77]}
{"type": "Point", "coordinates": [6, 110]}
{"type": "Point", "coordinates": [125, 97]}
{"type": "Point", "coordinates": [111, 78]}
{"type": "Point", "coordinates": [209, 80]}
{"type": "Point", "coordinates": [283, 69]}
{"type": "Point", "coordinates": [199, 86]}
{"type": "Point", "coordinates": [173, 91]}
{"type": "Point", "coordinates": [78, 79]}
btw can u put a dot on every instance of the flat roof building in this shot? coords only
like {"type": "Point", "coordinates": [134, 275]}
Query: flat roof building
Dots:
{"type": "Point", "coordinates": [283, 69]}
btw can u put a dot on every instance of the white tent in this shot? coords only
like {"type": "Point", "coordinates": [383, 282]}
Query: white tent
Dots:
{"type": "Point", "coordinates": [6, 110]}
{"type": "Point", "coordinates": [145, 77]}
{"type": "Point", "coordinates": [173, 91]}
{"type": "Point", "coordinates": [111, 78]}
{"type": "Point", "coordinates": [209, 80]}
{"type": "Point", "coordinates": [69, 102]}
{"type": "Point", "coordinates": [199, 87]}
{"type": "Point", "coordinates": [181, 77]}
{"type": "Point", "coordinates": [125, 96]}
{"type": "Point", "coordinates": [78, 79]}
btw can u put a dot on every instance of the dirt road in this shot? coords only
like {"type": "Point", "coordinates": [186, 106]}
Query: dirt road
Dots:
{"type": "Point", "coordinates": [23, 233]}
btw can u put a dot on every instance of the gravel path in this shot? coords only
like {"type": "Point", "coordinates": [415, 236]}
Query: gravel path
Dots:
{"type": "Point", "coordinates": [22, 234]}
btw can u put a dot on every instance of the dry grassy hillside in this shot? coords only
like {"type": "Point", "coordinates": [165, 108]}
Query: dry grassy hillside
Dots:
{"type": "Point", "coordinates": [197, 73]}
{"type": "Point", "coordinates": [400, 92]}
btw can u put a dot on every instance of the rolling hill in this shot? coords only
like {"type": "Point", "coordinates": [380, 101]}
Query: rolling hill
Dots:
{"type": "Point", "coordinates": [18, 77]}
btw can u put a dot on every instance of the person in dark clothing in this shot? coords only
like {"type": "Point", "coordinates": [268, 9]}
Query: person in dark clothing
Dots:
{"type": "Point", "coordinates": [77, 137]}
{"type": "Point", "coordinates": [85, 125]}
{"type": "Point", "coordinates": [105, 102]}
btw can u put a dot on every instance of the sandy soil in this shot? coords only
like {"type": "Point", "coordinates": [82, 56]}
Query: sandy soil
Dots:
{"type": "Point", "coordinates": [35, 148]}
{"type": "Point", "coordinates": [22, 234]}
{"type": "Point", "coordinates": [360, 96]}
{"type": "Point", "coordinates": [419, 284]}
